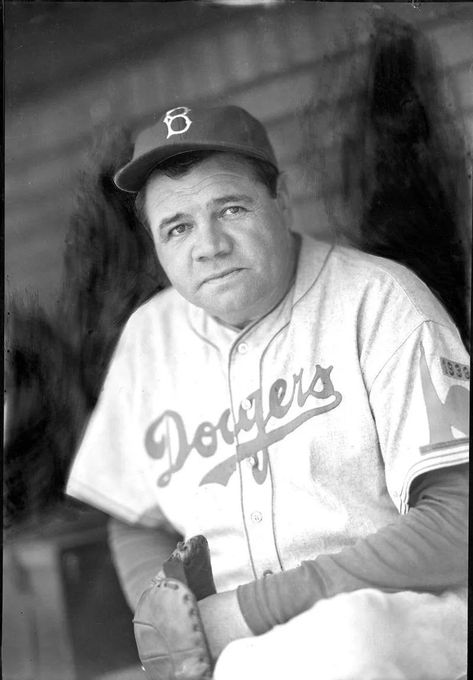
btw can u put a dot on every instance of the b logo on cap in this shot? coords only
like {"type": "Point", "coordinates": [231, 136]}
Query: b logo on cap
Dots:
{"type": "Point", "coordinates": [172, 115]}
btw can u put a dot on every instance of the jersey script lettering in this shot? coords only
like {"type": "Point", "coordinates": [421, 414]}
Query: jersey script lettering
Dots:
{"type": "Point", "coordinates": [167, 434]}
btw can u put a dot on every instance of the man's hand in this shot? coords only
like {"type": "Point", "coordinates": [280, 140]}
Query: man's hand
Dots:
{"type": "Point", "coordinates": [223, 621]}
{"type": "Point", "coordinates": [190, 564]}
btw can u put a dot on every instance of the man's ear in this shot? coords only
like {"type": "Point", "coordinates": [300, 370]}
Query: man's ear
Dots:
{"type": "Point", "coordinates": [283, 198]}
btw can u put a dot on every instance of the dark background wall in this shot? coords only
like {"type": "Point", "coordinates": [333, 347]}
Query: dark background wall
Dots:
{"type": "Point", "coordinates": [71, 67]}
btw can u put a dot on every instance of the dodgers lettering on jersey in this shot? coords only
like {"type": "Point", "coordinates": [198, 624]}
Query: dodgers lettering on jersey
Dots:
{"type": "Point", "coordinates": [204, 441]}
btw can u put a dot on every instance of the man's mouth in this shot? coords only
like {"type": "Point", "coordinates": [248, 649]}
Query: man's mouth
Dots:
{"type": "Point", "coordinates": [223, 275]}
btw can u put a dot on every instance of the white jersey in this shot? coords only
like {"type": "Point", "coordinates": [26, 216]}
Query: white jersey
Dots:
{"type": "Point", "coordinates": [292, 438]}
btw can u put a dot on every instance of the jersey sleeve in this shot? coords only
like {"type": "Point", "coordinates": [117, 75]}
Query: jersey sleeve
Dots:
{"type": "Point", "coordinates": [109, 471]}
{"type": "Point", "coordinates": [420, 402]}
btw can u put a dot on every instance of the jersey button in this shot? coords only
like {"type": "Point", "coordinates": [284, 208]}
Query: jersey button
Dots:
{"type": "Point", "coordinates": [242, 348]}
{"type": "Point", "coordinates": [256, 517]}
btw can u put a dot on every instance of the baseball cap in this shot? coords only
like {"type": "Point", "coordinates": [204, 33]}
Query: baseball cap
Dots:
{"type": "Point", "coordinates": [183, 129]}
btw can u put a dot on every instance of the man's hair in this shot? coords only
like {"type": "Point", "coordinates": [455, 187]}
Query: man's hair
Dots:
{"type": "Point", "coordinates": [177, 166]}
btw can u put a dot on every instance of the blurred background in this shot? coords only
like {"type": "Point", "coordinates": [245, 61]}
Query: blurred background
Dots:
{"type": "Point", "coordinates": [72, 68]}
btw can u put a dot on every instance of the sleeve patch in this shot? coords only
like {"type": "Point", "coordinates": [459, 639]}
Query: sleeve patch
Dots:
{"type": "Point", "coordinates": [443, 415]}
{"type": "Point", "coordinates": [453, 369]}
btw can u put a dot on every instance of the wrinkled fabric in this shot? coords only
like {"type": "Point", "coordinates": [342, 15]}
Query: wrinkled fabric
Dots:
{"type": "Point", "coordinates": [365, 635]}
{"type": "Point", "coordinates": [426, 549]}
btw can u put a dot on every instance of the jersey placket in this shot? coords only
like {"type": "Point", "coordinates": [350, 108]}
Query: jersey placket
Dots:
{"type": "Point", "coordinates": [256, 484]}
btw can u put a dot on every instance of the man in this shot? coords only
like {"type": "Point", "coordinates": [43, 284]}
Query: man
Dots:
{"type": "Point", "coordinates": [302, 405]}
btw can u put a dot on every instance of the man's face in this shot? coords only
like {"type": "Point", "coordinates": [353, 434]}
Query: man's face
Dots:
{"type": "Point", "coordinates": [221, 238]}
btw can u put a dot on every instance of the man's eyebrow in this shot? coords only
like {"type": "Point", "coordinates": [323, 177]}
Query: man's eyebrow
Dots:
{"type": "Point", "coordinates": [222, 200]}
{"type": "Point", "coordinates": [174, 218]}
{"type": "Point", "coordinates": [232, 198]}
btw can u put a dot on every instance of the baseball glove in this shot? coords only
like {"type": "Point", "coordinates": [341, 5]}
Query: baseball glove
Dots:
{"type": "Point", "coordinates": [169, 633]}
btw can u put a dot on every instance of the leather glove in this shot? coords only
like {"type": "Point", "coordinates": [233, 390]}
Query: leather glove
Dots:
{"type": "Point", "coordinates": [169, 633]}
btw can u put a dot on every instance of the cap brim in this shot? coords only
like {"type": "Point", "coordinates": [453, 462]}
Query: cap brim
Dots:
{"type": "Point", "coordinates": [134, 174]}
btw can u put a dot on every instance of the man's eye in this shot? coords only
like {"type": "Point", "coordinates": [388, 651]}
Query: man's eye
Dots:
{"type": "Point", "coordinates": [233, 211]}
{"type": "Point", "coordinates": [178, 230]}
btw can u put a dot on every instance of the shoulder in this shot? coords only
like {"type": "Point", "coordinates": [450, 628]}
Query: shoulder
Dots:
{"type": "Point", "coordinates": [153, 325]}
{"type": "Point", "coordinates": [165, 308]}
{"type": "Point", "coordinates": [385, 284]}
{"type": "Point", "coordinates": [366, 268]}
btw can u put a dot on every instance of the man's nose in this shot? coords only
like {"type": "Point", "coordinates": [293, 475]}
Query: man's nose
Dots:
{"type": "Point", "coordinates": [211, 241]}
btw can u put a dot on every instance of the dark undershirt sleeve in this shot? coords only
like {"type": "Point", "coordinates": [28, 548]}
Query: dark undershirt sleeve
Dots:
{"type": "Point", "coordinates": [138, 554]}
{"type": "Point", "coordinates": [424, 550]}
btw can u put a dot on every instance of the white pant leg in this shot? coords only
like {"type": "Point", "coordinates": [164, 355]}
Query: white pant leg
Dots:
{"type": "Point", "coordinates": [364, 635]}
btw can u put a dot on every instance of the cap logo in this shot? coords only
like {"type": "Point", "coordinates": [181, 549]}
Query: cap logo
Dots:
{"type": "Point", "coordinates": [174, 114]}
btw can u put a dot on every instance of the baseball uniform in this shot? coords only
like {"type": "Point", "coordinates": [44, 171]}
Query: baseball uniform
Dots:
{"type": "Point", "coordinates": [292, 438]}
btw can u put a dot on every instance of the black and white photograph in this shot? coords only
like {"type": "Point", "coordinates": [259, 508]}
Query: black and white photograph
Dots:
{"type": "Point", "coordinates": [237, 293]}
